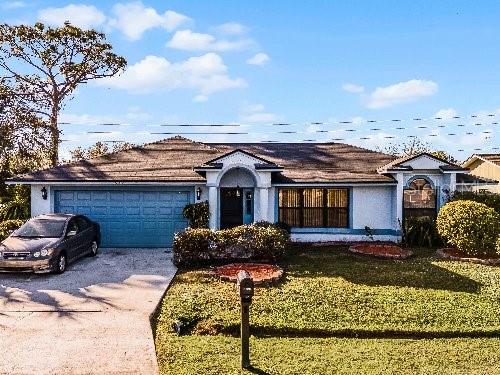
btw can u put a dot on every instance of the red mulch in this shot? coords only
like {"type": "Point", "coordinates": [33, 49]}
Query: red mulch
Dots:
{"type": "Point", "coordinates": [454, 254]}
{"type": "Point", "coordinates": [260, 272]}
{"type": "Point", "coordinates": [382, 251]}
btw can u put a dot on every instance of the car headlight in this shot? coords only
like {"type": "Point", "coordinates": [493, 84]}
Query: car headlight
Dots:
{"type": "Point", "coordinates": [37, 254]}
{"type": "Point", "coordinates": [47, 252]}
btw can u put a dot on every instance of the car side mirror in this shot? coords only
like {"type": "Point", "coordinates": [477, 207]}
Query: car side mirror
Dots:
{"type": "Point", "coordinates": [71, 233]}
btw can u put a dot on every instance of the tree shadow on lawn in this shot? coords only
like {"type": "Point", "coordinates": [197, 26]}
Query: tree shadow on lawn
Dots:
{"type": "Point", "coordinates": [419, 272]}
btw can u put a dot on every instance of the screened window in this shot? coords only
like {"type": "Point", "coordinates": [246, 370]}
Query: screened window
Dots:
{"type": "Point", "coordinates": [314, 208]}
{"type": "Point", "coordinates": [419, 199]}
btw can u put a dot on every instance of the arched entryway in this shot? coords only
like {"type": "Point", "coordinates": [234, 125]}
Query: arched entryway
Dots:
{"type": "Point", "coordinates": [419, 198]}
{"type": "Point", "coordinates": [237, 197]}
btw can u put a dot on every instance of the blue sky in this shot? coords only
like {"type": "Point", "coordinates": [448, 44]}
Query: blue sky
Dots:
{"type": "Point", "coordinates": [263, 62]}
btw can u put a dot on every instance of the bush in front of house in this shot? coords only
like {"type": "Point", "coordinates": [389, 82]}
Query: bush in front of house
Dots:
{"type": "Point", "coordinates": [198, 214]}
{"type": "Point", "coordinates": [472, 227]}
{"type": "Point", "coordinates": [488, 198]}
{"type": "Point", "coordinates": [248, 242]}
{"type": "Point", "coordinates": [420, 232]}
{"type": "Point", "coordinates": [7, 226]}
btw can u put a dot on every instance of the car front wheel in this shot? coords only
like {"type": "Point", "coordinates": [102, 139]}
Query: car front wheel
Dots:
{"type": "Point", "coordinates": [61, 263]}
{"type": "Point", "coordinates": [94, 247]}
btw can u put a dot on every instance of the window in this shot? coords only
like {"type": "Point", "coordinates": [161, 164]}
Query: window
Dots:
{"type": "Point", "coordinates": [82, 223]}
{"type": "Point", "coordinates": [248, 203]}
{"type": "Point", "coordinates": [314, 208]}
{"type": "Point", "coordinates": [419, 199]}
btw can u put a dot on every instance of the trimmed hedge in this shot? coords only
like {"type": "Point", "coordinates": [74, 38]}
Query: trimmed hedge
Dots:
{"type": "Point", "coordinates": [255, 242]}
{"type": "Point", "coordinates": [7, 226]}
{"type": "Point", "coordinates": [472, 227]}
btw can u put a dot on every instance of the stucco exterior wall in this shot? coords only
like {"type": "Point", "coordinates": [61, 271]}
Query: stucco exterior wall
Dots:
{"type": "Point", "coordinates": [39, 205]}
{"type": "Point", "coordinates": [373, 207]}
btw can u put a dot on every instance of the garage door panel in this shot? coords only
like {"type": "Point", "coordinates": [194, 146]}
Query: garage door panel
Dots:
{"type": "Point", "coordinates": [129, 218]}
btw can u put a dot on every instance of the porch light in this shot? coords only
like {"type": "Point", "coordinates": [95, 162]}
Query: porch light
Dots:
{"type": "Point", "coordinates": [198, 193]}
{"type": "Point", "coordinates": [238, 194]}
{"type": "Point", "coordinates": [44, 193]}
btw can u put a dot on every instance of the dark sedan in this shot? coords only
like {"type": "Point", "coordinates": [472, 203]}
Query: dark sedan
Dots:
{"type": "Point", "coordinates": [48, 243]}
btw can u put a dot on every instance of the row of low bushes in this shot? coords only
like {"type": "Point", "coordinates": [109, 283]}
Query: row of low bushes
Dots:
{"type": "Point", "coordinates": [258, 241]}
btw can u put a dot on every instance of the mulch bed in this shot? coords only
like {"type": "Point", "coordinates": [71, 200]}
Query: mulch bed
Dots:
{"type": "Point", "coordinates": [381, 250]}
{"type": "Point", "coordinates": [454, 254]}
{"type": "Point", "coordinates": [260, 272]}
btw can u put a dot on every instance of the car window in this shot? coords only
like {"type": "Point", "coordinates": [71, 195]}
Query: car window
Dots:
{"type": "Point", "coordinates": [45, 228]}
{"type": "Point", "coordinates": [82, 223]}
{"type": "Point", "coordinates": [72, 226]}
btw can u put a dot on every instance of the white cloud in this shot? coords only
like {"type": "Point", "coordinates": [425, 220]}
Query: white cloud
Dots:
{"type": "Point", "coordinates": [401, 92]}
{"type": "Point", "coordinates": [84, 16]}
{"type": "Point", "coordinates": [231, 28]}
{"type": "Point", "coordinates": [133, 19]}
{"type": "Point", "coordinates": [253, 113]}
{"type": "Point", "coordinates": [206, 74]}
{"type": "Point", "coordinates": [191, 41]}
{"type": "Point", "coordinates": [353, 88]}
{"type": "Point", "coordinates": [11, 5]}
{"type": "Point", "coordinates": [259, 59]}
{"type": "Point", "coordinates": [200, 98]}
{"type": "Point", "coordinates": [446, 113]}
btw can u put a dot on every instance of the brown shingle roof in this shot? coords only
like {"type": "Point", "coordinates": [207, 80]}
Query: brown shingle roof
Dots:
{"type": "Point", "coordinates": [173, 160]}
{"type": "Point", "coordinates": [494, 158]}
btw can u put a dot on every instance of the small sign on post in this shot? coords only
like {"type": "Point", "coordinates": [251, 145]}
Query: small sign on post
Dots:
{"type": "Point", "coordinates": [246, 289]}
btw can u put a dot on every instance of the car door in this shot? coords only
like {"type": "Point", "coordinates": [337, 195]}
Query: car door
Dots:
{"type": "Point", "coordinates": [85, 234]}
{"type": "Point", "coordinates": [71, 241]}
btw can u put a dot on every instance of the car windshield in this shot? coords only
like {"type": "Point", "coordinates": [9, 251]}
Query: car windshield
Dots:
{"type": "Point", "coordinates": [41, 228]}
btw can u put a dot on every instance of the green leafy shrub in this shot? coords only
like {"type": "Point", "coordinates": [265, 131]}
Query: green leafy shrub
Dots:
{"type": "Point", "coordinates": [279, 225]}
{"type": "Point", "coordinates": [488, 198]}
{"type": "Point", "coordinates": [472, 227]}
{"type": "Point", "coordinates": [198, 214]}
{"type": "Point", "coordinates": [256, 242]}
{"type": "Point", "coordinates": [16, 204]}
{"type": "Point", "coordinates": [6, 227]}
{"type": "Point", "coordinates": [421, 232]}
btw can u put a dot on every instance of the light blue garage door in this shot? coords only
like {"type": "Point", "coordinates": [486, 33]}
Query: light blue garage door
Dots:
{"type": "Point", "coordinates": [129, 218]}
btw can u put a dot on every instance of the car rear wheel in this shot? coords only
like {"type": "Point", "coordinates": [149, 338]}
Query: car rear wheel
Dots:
{"type": "Point", "coordinates": [94, 248]}
{"type": "Point", "coordinates": [61, 263]}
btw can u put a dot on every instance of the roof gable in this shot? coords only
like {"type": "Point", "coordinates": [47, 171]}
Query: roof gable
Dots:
{"type": "Point", "coordinates": [239, 156]}
{"type": "Point", "coordinates": [421, 161]}
{"type": "Point", "coordinates": [493, 159]}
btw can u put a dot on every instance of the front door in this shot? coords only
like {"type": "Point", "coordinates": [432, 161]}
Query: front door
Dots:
{"type": "Point", "coordinates": [231, 207]}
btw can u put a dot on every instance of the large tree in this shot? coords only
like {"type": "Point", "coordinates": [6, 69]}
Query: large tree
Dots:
{"type": "Point", "coordinates": [47, 65]}
{"type": "Point", "coordinates": [416, 146]}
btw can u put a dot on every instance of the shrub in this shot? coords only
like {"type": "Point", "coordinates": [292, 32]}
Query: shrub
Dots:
{"type": "Point", "coordinates": [279, 225]}
{"type": "Point", "coordinates": [472, 227]}
{"type": "Point", "coordinates": [498, 245]}
{"type": "Point", "coordinates": [193, 245]}
{"type": "Point", "coordinates": [7, 226]}
{"type": "Point", "coordinates": [421, 231]}
{"type": "Point", "coordinates": [488, 198]}
{"type": "Point", "coordinates": [256, 242]}
{"type": "Point", "coordinates": [198, 214]}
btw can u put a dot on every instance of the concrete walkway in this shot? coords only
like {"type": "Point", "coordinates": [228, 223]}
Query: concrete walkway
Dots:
{"type": "Point", "coordinates": [93, 319]}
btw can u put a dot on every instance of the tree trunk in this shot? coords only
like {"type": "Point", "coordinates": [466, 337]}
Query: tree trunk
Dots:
{"type": "Point", "coordinates": [54, 136]}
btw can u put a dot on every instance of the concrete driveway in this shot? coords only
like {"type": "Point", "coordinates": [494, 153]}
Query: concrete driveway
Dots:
{"type": "Point", "coordinates": [93, 319]}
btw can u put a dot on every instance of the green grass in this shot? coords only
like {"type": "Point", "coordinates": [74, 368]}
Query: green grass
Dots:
{"type": "Point", "coordinates": [328, 298]}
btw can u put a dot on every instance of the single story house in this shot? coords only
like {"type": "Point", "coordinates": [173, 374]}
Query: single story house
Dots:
{"type": "Point", "coordinates": [487, 168]}
{"type": "Point", "coordinates": [324, 191]}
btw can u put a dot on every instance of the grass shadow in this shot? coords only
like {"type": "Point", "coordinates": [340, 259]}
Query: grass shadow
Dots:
{"type": "Point", "coordinates": [422, 271]}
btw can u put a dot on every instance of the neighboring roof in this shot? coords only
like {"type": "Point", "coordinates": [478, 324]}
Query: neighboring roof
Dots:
{"type": "Point", "coordinates": [174, 160]}
{"type": "Point", "coordinates": [396, 165]}
{"type": "Point", "coordinates": [463, 178]}
{"type": "Point", "coordinates": [491, 158]}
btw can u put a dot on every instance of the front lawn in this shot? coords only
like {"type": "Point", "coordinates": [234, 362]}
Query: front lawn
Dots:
{"type": "Point", "coordinates": [338, 309]}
